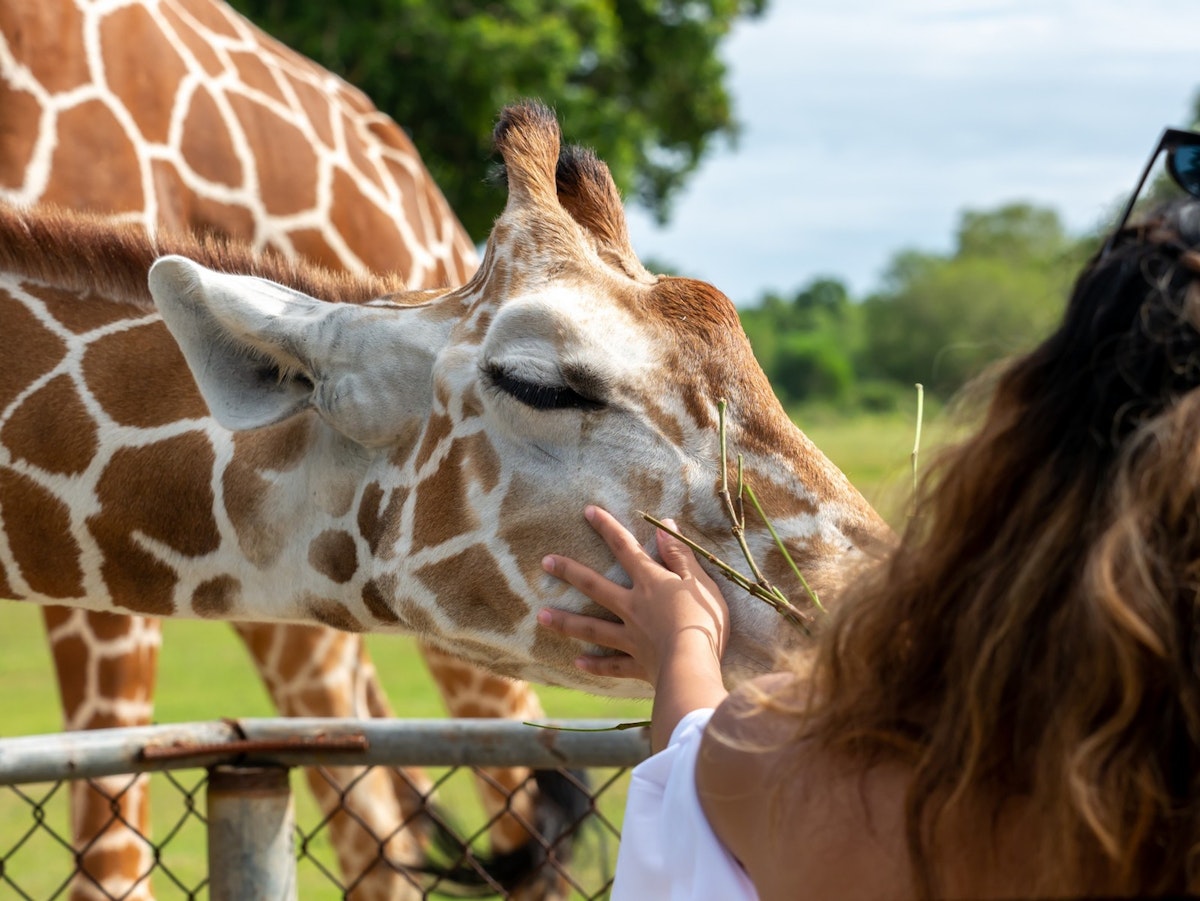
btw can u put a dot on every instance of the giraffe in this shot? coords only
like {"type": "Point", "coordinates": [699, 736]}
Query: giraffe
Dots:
{"type": "Point", "coordinates": [348, 455]}
{"type": "Point", "coordinates": [200, 121]}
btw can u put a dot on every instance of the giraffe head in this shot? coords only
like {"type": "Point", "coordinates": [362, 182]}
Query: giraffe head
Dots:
{"type": "Point", "coordinates": [467, 432]}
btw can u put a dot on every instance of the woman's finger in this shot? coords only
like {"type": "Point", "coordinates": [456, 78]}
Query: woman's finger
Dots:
{"type": "Point", "coordinates": [615, 666]}
{"type": "Point", "coordinates": [629, 553]}
{"type": "Point", "coordinates": [606, 593]}
{"type": "Point", "coordinates": [585, 628]}
{"type": "Point", "coordinates": [676, 556]}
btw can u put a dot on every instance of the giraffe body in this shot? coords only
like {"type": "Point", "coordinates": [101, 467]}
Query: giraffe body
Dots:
{"type": "Point", "coordinates": [376, 481]}
{"type": "Point", "coordinates": [181, 115]}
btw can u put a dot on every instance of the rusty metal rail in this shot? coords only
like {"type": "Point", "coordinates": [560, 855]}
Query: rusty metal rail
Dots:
{"type": "Point", "coordinates": [320, 742]}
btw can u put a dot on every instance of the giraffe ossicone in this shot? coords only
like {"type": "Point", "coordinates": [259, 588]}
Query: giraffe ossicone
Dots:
{"type": "Point", "coordinates": [404, 465]}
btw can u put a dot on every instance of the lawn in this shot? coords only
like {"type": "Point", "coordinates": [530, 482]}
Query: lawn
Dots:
{"type": "Point", "coordinates": [205, 674]}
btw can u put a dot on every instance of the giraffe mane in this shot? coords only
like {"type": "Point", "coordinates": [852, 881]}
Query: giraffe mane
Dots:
{"type": "Point", "coordinates": [88, 252]}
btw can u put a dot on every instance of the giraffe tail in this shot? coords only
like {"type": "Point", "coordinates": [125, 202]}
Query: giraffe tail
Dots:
{"type": "Point", "coordinates": [534, 869]}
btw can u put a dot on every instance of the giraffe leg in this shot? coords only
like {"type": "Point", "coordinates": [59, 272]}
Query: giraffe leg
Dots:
{"type": "Point", "coordinates": [510, 796]}
{"type": "Point", "coordinates": [374, 813]}
{"type": "Point", "coordinates": [106, 666]}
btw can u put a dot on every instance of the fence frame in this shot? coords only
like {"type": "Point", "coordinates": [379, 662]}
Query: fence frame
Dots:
{"type": "Point", "coordinates": [250, 805]}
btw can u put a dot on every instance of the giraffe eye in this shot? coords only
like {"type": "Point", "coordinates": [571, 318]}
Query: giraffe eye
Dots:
{"type": "Point", "coordinates": [540, 397]}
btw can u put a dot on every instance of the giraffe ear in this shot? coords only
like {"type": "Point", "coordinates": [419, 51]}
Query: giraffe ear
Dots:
{"type": "Point", "coordinates": [261, 352]}
{"type": "Point", "coordinates": [228, 329]}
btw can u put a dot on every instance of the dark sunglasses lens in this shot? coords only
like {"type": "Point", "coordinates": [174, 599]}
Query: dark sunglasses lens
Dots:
{"type": "Point", "coordinates": [1185, 167]}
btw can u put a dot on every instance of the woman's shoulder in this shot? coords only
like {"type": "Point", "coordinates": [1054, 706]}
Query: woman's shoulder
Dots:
{"type": "Point", "coordinates": [791, 813]}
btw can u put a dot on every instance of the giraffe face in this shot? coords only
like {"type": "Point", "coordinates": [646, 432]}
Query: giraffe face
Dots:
{"type": "Point", "coordinates": [472, 429]}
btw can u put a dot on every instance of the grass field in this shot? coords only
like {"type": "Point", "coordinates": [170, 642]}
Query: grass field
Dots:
{"type": "Point", "coordinates": [205, 674]}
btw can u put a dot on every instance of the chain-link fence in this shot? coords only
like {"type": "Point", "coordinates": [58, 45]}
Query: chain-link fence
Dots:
{"type": "Point", "coordinates": [495, 809]}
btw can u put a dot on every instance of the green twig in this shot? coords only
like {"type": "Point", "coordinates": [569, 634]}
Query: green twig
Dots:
{"type": "Point", "coordinates": [619, 727]}
{"type": "Point", "coordinates": [917, 438]}
{"type": "Point", "coordinates": [763, 591]}
{"type": "Point", "coordinates": [783, 550]}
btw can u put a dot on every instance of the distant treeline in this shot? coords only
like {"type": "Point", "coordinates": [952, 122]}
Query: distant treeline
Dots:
{"type": "Point", "coordinates": [938, 319]}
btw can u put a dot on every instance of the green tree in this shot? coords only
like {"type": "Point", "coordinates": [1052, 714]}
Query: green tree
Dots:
{"type": "Point", "coordinates": [806, 345]}
{"type": "Point", "coordinates": [640, 81]}
{"type": "Point", "coordinates": [941, 319]}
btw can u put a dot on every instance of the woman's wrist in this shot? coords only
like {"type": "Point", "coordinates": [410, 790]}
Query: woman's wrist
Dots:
{"type": "Point", "coordinates": [688, 678]}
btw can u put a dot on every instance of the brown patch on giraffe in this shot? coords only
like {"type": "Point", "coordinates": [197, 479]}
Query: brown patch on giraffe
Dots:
{"type": "Point", "coordinates": [107, 626]}
{"type": "Point", "coordinates": [646, 489]}
{"type": "Point", "coordinates": [416, 618]}
{"type": "Point", "coordinates": [363, 164]}
{"type": "Point", "coordinates": [484, 655]}
{"type": "Point", "coordinates": [379, 525]}
{"type": "Point", "coordinates": [38, 527]}
{"type": "Point", "coordinates": [174, 207]}
{"type": "Point", "coordinates": [21, 115]}
{"type": "Point", "coordinates": [531, 537]}
{"type": "Point", "coordinates": [406, 442]}
{"type": "Point", "coordinates": [245, 490]}
{"type": "Point", "coordinates": [145, 81]}
{"type": "Point", "coordinates": [283, 190]}
{"type": "Point", "coordinates": [452, 677]}
{"type": "Point", "coordinates": [206, 145]}
{"type": "Point", "coordinates": [208, 14]}
{"type": "Point", "coordinates": [554, 651]}
{"type": "Point", "coordinates": [473, 591]}
{"type": "Point", "coordinates": [118, 678]}
{"type": "Point", "coordinates": [333, 614]}
{"type": "Point", "coordinates": [391, 135]}
{"type": "Point", "coordinates": [472, 403]}
{"type": "Point", "coordinates": [52, 429]}
{"type": "Point", "coordinates": [310, 243]}
{"type": "Point", "coordinates": [31, 350]}
{"type": "Point", "coordinates": [440, 509]}
{"type": "Point", "coordinates": [315, 109]}
{"type": "Point", "coordinates": [215, 597]}
{"type": "Point", "coordinates": [256, 75]}
{"type": "Point", "coordinates": [413, 193]}
{"type": "Point", "coordinates": [437, 429]}
{"type": "Point", "coordinates": [140, 377]}
{"type": "Point", "coordinates": [87, 133]}
{"type": "Point", "coordinates": [334, 554]}
{"type": "Point", "coordinates": [781, 501]}
{"type": "Point", "coordinates": [481, 463]}
{"type": "Point", "coordinates": [352, 215]}
{"type": "Point", "coordinates": [219, 218]}
{"type": "Point", "coordinates": [48, 38]}
{"type": "Point", "coordinates": [197, 43]}
{"type": "Point", "coordinates": [375, 601]}
{"type": "Point", "coordinates": [667, 425]}
{"type": "Point", "coordinates": [161, 491]}
{"type": "Point", "coordinates": [81, 313]}
{"type": "Point", "coordinates": [72, 690]}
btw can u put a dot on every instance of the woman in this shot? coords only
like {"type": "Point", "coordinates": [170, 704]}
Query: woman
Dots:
{"type": "Point", "coordinates": [1008, 705]}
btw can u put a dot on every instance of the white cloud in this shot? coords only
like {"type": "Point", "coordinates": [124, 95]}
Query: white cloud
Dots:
{"type": "Point", "coordinates": [870, 124]}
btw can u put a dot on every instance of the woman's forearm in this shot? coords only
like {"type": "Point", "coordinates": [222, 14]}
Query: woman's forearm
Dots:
{"type": "Point", "coordinates": [688, 679]}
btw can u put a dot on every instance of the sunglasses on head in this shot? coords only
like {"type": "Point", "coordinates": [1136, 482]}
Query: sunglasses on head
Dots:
{"type": "Point", "coordinates": [1183, 163]}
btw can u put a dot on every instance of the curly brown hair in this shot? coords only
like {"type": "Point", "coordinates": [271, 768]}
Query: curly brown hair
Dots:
{"type": "Point", "coordinates": [1034, 633]}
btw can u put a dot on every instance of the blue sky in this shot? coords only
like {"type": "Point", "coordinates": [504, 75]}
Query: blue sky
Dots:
{"type": "Point", "coordinates": [869, 125]}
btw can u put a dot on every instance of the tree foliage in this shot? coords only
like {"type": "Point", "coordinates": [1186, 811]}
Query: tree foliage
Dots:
{"type": "Point", "coordinates": [640, 81]}
{"type": "Point", "coordinates": [939, 319]}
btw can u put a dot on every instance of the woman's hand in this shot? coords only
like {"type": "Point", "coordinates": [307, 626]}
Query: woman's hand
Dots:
{"type": "Point", "coordinates": [673, 626]}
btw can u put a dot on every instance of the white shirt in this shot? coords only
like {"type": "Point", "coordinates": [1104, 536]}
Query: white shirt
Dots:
{"type": "Point", "coordinates": [668, 851]}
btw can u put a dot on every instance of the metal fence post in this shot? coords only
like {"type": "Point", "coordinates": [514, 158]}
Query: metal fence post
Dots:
{"type": "Point", "coordinates": [251, 829]}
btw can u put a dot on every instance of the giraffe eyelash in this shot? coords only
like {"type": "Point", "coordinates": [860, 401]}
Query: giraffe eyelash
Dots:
{"type": "Point", "coordinates": [540, 397]}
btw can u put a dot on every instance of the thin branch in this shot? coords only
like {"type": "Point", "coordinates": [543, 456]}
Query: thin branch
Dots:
{"type": "Point", "coordinates": [786, 555]}
{"type": "Point", "coordinates": [917, 438]}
